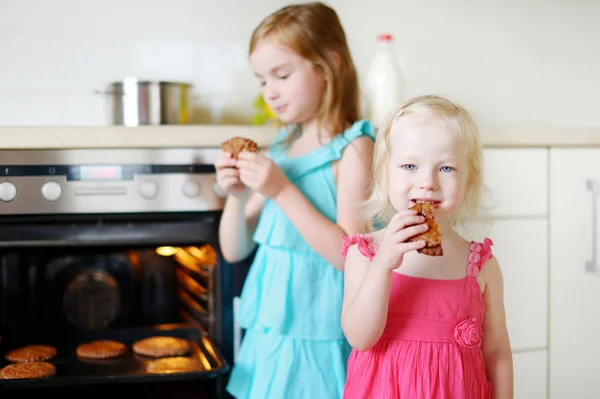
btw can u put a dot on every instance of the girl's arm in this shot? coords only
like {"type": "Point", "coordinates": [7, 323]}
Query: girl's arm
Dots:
{"type": "Point", "coordinates": [496, 343]}
{"type": "Point", "coordinates": [367, 288]}
{"type": "Point", "coordinates": [367, 284]}
{"type": "Point", "coordinates": [323, 235]}
{"type": "Point", "coordinates": [237, 226]}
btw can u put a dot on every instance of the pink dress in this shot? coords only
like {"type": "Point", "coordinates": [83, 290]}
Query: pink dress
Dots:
{"type": "Point", "coordinates": [431, 344]}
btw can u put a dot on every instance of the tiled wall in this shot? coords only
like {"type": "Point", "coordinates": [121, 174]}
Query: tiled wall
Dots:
{"type": "Point", "coordinates": [511, 62]}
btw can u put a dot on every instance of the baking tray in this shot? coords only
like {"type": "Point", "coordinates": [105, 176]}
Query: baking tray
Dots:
{"type": "Point", "coordinates": [73, 371]}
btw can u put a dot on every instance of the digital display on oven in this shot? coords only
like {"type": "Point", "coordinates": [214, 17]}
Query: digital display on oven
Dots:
{"type": "Point", "coordinates": [101, 172]}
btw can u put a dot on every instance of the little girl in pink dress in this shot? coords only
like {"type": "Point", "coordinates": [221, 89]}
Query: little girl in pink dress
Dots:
{"type": "Point", "coordinates": [425, 327]}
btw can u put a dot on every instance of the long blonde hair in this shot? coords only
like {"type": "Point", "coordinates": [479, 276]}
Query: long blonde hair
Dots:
{"type": "Point", "coordinates": [458, 121]}
{"type": "Point", "coordinates": [314, 32]}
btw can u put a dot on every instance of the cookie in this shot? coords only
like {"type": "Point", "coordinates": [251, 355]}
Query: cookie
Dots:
{"type": "Point", "coordinates": [27, 370]}
{"type": "Point", "coordinates": [436, 250]}
{"type": "Point", "coordinates": [236, 145]}
{"type": "Point", "coordinates": [101, 349]}
{"type": "Point", "coordinates": [31, 353]}
{"type": "Point", "coordinates": [433, 236]}
{"type": "Point", "coordinates": [161, 346]}
{"type": "Point", "coordinates": [172, 364]}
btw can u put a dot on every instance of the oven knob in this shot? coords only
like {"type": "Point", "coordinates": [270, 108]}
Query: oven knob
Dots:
{"type": "Point", "coordinates": [8, 191]}
{"type": "Point", "coordinates": [191, 188]}
{"type": "Point", "coordinates": [148, 189]}
{"type": "Point", "coordinates": [51, 191]}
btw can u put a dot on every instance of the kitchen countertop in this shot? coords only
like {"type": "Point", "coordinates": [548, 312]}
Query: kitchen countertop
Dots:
{"type": "Point", "coordinates": [195, 136]}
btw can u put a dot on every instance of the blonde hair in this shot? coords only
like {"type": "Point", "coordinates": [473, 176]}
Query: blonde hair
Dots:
{"type": "Point", "coordinates": [379, 209]}
{"type": "Point", "coordinates": [314, 32]}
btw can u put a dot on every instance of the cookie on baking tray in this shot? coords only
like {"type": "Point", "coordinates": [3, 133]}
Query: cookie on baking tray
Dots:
{"type": "Point", "coordinates": [31, 353]}
{"type": "Point", "coordinates": [101, 349]}
{"type": "Point", "coordinates": [172, 364]}
{"type": "Point", "coordinates": [17, 371]}
{"type": "Point", "coordinates": [160, 346]}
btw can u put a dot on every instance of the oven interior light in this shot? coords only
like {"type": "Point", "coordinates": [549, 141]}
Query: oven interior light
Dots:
{"type": "Point", "coordinates": [166, 251]}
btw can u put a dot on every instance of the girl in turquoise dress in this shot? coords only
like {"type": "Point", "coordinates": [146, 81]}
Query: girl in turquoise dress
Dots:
{"type": "Point", "coordinates": [295, 203]}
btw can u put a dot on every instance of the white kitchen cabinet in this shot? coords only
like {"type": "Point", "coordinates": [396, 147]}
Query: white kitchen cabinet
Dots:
{"type": "Point", "coordinates": [516, 220]}
{"type": "Point", "coordinates": [521, 247]}
{"type": "Point", "coordinates": [574, 289]}
{"type": "Point", "coordinates": [519, 230]}
{"type": "Point", "coordinates": [517, 180]}
{"type": "Point", "coordinates": [531, 375]}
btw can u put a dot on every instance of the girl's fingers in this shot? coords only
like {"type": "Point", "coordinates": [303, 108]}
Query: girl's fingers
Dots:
{"type": "Point", "coordinates": [413, 246]}
{"type": "Point", "coordinates": [405, 234]}
{"type": "Point", "coordinates": [229, 172]}
{"type": "Point", "coordinates": [403, 213]}
{"type": "Point", "coordinates": [247, 156]}
{"type": "Point", "coordinates": [405, 221]}
{"type": "Point", "coordinates": [247, 165]}
{"type": "Point", "coordinates": [245, 176]}
{"type": "Point", "coordinates": [228, 182]}
{"type": "Point", "coordinates": [221, 163]}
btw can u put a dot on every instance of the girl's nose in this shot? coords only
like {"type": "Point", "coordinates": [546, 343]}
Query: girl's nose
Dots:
{"type": "Point", "coordinates": [428, 182]}
{"type": "Point", "coordinates": [270, 93]}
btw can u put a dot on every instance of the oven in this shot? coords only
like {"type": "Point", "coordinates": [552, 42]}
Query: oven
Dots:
{"type": "Point", "coordinates": [122, 245]}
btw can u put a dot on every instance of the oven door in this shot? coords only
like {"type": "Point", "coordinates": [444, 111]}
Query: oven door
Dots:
{"type": "Point", "coordinates": [170, 244]}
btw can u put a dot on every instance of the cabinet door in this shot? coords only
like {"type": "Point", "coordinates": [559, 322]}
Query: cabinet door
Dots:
{"type": "Point", "coordinates": [521, 247]}
{"type": "Point", "coordinates": [517, 182]}
{"type": "Point", "coordinates": [530, 371]}
{"type": "Point", "coordinates": [574, 290]}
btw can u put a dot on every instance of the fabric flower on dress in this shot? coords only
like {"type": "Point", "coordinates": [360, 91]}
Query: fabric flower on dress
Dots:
{"type": "Point", "coordinates": [479, 254]}
{"type": "Point", "coordinates": [468, 333]}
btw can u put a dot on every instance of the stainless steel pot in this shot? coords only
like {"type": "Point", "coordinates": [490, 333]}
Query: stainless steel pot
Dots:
{"type": "Point", "coordinates": [134, 102]}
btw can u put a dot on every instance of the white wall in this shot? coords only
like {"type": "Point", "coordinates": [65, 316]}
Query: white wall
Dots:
{"type": "Point", "coordinates": [511, 62]}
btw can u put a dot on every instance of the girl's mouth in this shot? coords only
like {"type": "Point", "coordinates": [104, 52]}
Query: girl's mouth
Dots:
{"type": "Point", "coordinates": [435, 203]}
{"type": "Point", "coordinates": [281, 109]}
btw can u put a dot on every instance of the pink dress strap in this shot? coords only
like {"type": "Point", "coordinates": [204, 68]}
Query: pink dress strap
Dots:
{"type": "Point", "coordinates": [365, 245]}
{"type": "Point", "coordinates": [479, 253]}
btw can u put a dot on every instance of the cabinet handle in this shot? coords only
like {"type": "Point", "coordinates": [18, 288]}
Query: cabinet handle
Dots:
{"type": "Point", "coordinates": [592, 265]}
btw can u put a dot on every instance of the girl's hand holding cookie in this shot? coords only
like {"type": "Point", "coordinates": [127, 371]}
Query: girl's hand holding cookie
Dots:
{"type": "Point", "coordinates": [394, 245]}
{"type": "Point", "coordinates": [228, 176]}
{"type": "Point", "coordinates": [261, 174]}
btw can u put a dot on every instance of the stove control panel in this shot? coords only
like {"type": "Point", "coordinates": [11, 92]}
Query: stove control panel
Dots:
{"type": "Point", "coordinates": [107, 181]}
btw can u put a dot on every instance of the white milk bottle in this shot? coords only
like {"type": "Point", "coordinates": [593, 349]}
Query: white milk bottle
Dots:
{"type": "Point", "coordinates": [384, 83]}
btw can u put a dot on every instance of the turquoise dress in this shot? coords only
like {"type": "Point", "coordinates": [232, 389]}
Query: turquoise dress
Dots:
{"type": "Point", "coordinates": [291, 303]}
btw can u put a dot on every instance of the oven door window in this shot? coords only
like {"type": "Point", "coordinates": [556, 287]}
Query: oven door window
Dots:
{"type": "Point", "coordinates": [66, 284]}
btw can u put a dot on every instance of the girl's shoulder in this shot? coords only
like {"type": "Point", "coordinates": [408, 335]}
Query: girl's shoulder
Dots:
{"type": "Point", "coordinates": [362, 127]}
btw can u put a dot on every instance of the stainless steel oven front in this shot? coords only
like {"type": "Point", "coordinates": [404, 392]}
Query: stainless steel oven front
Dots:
{"type": "Point", "coordinates": [118, 244]}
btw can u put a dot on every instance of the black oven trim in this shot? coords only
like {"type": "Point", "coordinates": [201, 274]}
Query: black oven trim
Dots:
{"type": "Point", "coordinates": [110, 229]}
{"type": "Point", "coordinates": [127, 171]}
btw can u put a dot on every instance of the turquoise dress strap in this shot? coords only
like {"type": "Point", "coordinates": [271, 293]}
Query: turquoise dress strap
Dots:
{"type": "Point", "coordinates": [297, 167]}
{"type": "Point", "coordinates": [341, 141]}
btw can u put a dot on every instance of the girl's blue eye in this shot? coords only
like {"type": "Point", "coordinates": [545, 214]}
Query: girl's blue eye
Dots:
{"type": "Point", "coordinates": [446, 169]}
{"type": "Point", "coordinates": [409, 167]}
